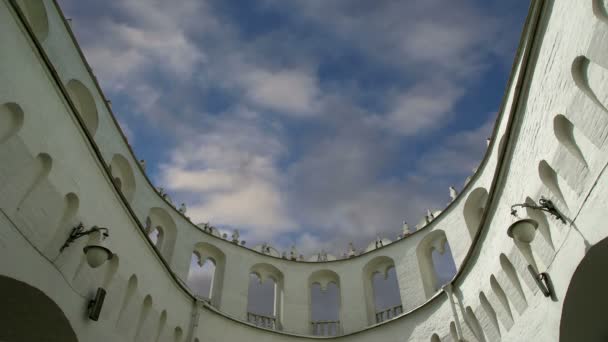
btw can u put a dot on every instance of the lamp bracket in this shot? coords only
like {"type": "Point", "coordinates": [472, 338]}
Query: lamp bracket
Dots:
{"type": "Point", "coordinates": [543, 205]}
{"type": "Point", "coordinates": [78, 232]}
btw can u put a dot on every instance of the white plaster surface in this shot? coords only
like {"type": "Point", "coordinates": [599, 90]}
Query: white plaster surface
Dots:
{"type": "Point", "coordinates": [53, 175]}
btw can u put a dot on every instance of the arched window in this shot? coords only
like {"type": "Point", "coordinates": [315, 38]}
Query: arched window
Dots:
{"type": "Point", "coordinates": [435, 261]}
{"type": "Point", "coordinates": [156, 236]}
{"type": "Point", "coordinates": [122, 175]}
{"type": "Point", "coordinates": [200, 276]}
{"type": "Point", "coordinates": [381, 290]}
{"type": "Point", "coordinates": [162, 230]}
{"type": "Point", "coordinates": [443, 263]}
{"type": "Point", "coordinates": [265, 295]}
{"type": "Point", "coordinates": [206, 274]}
{"type": "Point", "coordinates": [325, 303]}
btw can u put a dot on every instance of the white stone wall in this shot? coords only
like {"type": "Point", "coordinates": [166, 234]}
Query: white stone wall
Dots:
{"type": "Point", "coordinates": [53, 175]}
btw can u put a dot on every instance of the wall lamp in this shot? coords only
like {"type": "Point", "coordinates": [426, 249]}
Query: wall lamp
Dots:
{"type": "Point", "coordinates": [544, 205]}
{"type": "Point", "coordinates": [524, 231]}
{"type": "Point", "coordinates": [96, 252]}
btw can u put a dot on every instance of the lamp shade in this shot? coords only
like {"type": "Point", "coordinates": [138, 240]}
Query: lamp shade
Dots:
{"type": "Point", "coordinates": [523, 230]}
{"type": "Point", "coordinates": [97, 254]}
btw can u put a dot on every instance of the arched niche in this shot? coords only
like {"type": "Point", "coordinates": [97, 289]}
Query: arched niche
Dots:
{"type": "Point", "coordinates": [590, 77]}
{"type": "Point", "coordinates": [491, 314]}
{"type": "Point", "coordinates": [159, 219]}
{"type": "Point", "coordinates": [435, 338]}
{"type": "Point", "coordinates": [453, 331]}
{"type": "Point", "coordinates": [85, 104]}
{"type": "Point", "coordinates": [382, 295]}
{"type": "Point", "coordinates": [11, 120]}
{"type": "Point", "coordinates": [265, 280]}
{"type": "Point", "coordinates": [474, 208]}
{"type": "Point", "coordinates": [583, 312]}
{"type": "Point", "coordinates": [65, 224]}
{"type": "Point", "coordinates": [600, 10]}
{"type": "Point", "coordinates": [435, 241]}
{"type": "Point", "coordinates": [160, 327]}
{"type": "Point", "coordinates": [122, 176]}
{"type": "Point", "coordinates": [207, 253]}
{"type": "Point", "coordinates": [144, 314]}
{"type": "Point", "coordinates": [127, 299]}
{"type": "Point", "coordinates": [549, 178]}
{"type": "Point", "coordinates": [325, 303]}
{"type": "Point", "coordinates": [31, 314]}
{"type": "Point", "coordinates": [516, 291]}
{"type": "Point", "coordinates": [564, 132]}
{"type": "Point", "coordinates": [503, 305]}
{"type": "Point", "coordinates": [35, 12]}
{"type": "Point", "coordinates": [473, 324]}
{"type": "Point", "coordinates": [178, 334]}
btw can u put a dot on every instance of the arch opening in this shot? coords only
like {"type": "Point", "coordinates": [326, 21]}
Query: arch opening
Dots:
{"type": "Point", "coordinates": [583, 311]}
{"type": "Point", "coordinates": [435, 261]}
{"type": "Point", "coordinates": [160, 220]}
{"type": "Point", "coordinates": [325, 303]}
{"type": "Point", "coordinates": [382, 294]}
{"type": "Point", "coordinates": [200, 276]}
{"type": "Point", "coordinates": [265, 296]}
{"type": "Point", "coordinates": [31, 314]}
{"type": "Point", "coordinates": [206, 274]}
{"type": "Point", "coordinates": [122, 176]}
{"type": "Point", "coordinates": [156, 235]}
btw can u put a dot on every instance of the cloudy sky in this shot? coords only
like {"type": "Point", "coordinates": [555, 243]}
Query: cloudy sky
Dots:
{"type": "Point", "coordinates": [307, 122]}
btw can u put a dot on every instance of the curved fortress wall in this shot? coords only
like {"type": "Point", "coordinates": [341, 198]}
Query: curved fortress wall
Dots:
{"type": "Point", "coordinates": [64, 161]}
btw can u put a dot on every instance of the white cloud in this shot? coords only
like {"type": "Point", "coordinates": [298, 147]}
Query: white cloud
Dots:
{"type": "Point", "coordinates": [291, 92]}
{"type": "Point", "coordinates": [458, 154]}
{"type": "Point", "coordinates": [231, 177]}
{"type": "Point", "coordinates": [339, 177]}
{"type": "Point", "coordinates": [424, 107]}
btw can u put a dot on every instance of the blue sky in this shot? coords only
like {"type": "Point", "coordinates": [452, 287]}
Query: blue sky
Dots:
{"type": "Point", "coordinates": [304, 122]}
